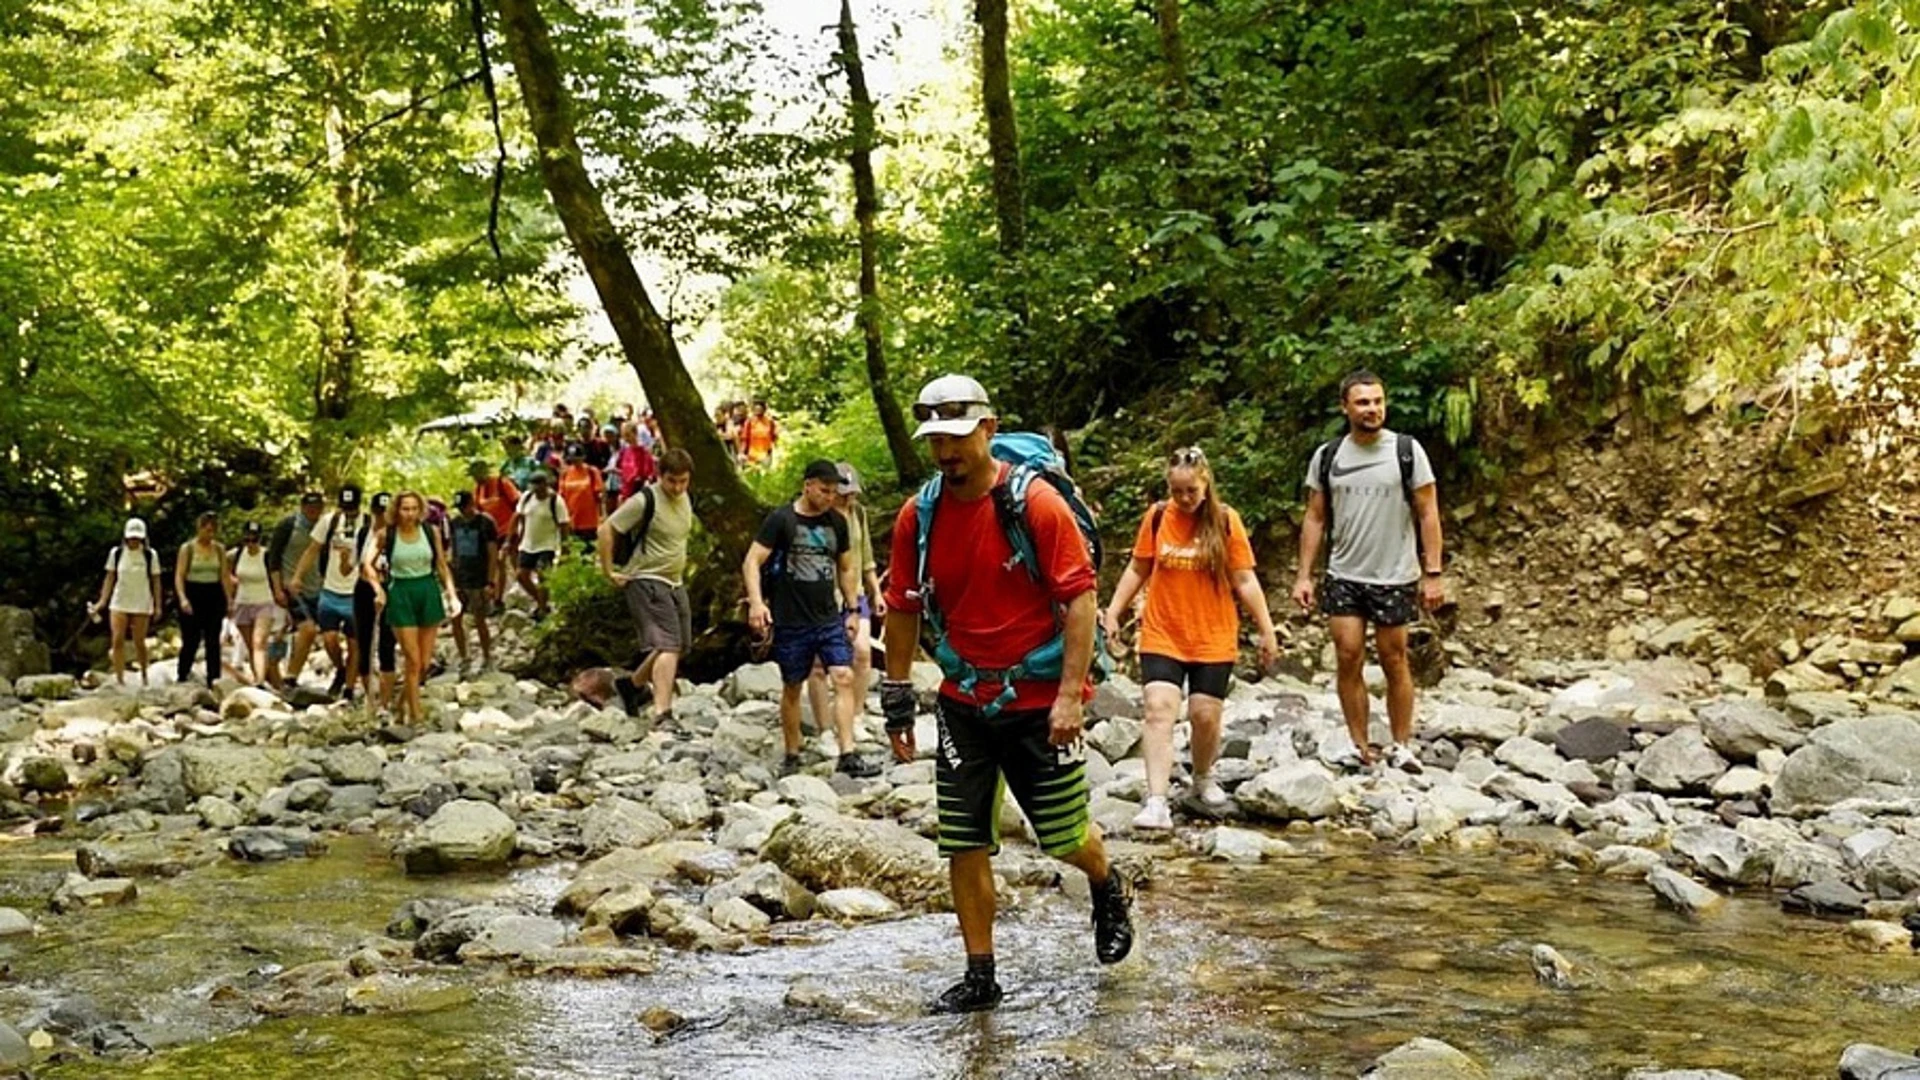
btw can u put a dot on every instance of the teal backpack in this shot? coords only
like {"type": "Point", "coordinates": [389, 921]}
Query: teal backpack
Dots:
{"type": "Point", "coordinates": [1033, 460]}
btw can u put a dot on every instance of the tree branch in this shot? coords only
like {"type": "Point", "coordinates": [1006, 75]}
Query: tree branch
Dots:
{"type": "Point", "coordinates": [477, 12]}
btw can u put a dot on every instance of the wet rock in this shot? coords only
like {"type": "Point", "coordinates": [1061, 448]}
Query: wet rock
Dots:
{"type": "Point", "coordinates": [1424, 1059]}
{"type": "Point", "coordinates": [217, 813]}
{"type": "Point", "coordinates": [1893, 870]}
{"type": "Point", "coordinates": [622, 910]}
{"type": "Point", "coordinates": [462, 835]}
{"type": "Point", "coordinates": [1550, 969]}
{"type": "Point", "coordinates": [274, 844]}
{"type": "Point", "coordinates": [623, 867]}
{"type": "Point", "coordinates": [1872, 757]}
{"type": "Point", "coordinates": [823, 850]}
{"type": "Point", "coordinates": [616, 822]}
{"type": "Point", "coordinates": [1864, 1061]}
{"type": "Point", "coordinates": [766, 887]}
{"type": "Point", "coordinates": [1831, 897]}
{"type": "Point", "coordinates": [1869, 935]}
{"type": "Point", "coordinates": [14, 923]}
{"type": "Point", "coordinates": [228, 770]}
{"type": "Point", "coordinates": [1722, 854]}
{"type": "Point", "coordinates": [389, 994]}
{"type": "Point", "coordinates": [584, 962]}
{"type": "Point", "coordinates": [1300, 790]}
{"type": "Point", "coordinates": [412, 918]}
{"type": "Point", "coordinates": [142, 858]}
{"type": "Point", "coordinates": [682, 803]}
{"type": "Point", "coordinates": [77, 893]}
{"type": "Point", "coordinates": [512, 936]}
{"type": "Point", "coordinates": [14, 1051]}
{"type": "Point", "coordinates": [429, 802]}
{"type": "Point", "coordinates": [1680, 1074]}
{"type": "Point", "coordinates": [736, 915]}
{"type": "Point", "coordinates": [1229, 844]}
{"type": "Point", "coordinates": [310, 795]}
{"type": "Point", "coordinates": [1594, 739]}
{"type": "Point", "coordinates": [1680, 762]}
{"type": "Point", "coordinates": [443, 938]}
{"type": "Point", "coordinates": [1682, 893]}
{"type": "Point", "coordinates": [44, 774]}
{"type": "Point", "coordinates": [854, 905]}
{"type": "Point", "coordinates": [1741, 728]}
{"type": "Point", "coordinates": [1626, 861]}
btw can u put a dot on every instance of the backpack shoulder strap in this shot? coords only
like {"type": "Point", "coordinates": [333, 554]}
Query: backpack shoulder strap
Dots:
{"type": "Point", "coordinates": [1010, 504]}
{"type": "Point", "coordinates": [1159, 515]}
{"type": "Point", "coordinates": [1328, 450]}
{"type": "Point", "coordinates": [923, 508]}
{"type": "Point", "coordinates": [646, 516]}
{"type": "Point", "coordinates": [1403, 448]}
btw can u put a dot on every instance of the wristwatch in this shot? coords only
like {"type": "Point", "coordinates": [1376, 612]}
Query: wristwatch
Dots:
{"type": "Point", "coordinates": [1436, 573]}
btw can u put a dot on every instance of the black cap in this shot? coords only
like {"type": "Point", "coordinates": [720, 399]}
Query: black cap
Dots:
{"type": "Point", "coordinates": [381, 502]}
{"type": "Point", "coordinates": [823, 470]}
{"type": "Point", "coordinates": [314, 498]}
{"type": "Point", "coordinates": [462, 500]}
{"type": "Point", "coordinates": [350, 497]}
{"type": "Point", "coordinates": [540, 476]}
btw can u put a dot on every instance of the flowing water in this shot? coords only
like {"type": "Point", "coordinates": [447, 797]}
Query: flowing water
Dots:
{"type": "Point", "coordinates": [1305, 967]}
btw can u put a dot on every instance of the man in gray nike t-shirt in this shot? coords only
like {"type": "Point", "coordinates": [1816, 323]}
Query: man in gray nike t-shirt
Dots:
{"type": "Point", "coordinates": [1384, 560]}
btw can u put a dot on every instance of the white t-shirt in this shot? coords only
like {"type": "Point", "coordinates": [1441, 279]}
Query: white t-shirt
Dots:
{"type": "Point", "coordinates": [543, 525]}
{"type": "Point", "coordinates": [348, 545]}
{"type": "Point", "coordinates": [132, 585]}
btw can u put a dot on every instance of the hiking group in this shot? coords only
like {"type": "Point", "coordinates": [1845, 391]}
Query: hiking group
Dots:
{"type": "Point", "coordinates": [994, 567]}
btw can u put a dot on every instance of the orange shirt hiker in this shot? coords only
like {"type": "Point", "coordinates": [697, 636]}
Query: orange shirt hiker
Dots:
{"type": "Point", "coordinates": [581, 487]}
{"type": "Point", "coordinates": [1190, 614]}
{"type": "Point", "coordinates": [760, 434]}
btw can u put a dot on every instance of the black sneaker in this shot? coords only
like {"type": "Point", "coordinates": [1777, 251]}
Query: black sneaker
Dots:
{"type": "Point", "coordinates": [789, 764]}
{"type": "Point", "coordinates": [1112, 925]}
{"type": "Point", "coordinates": [339, 683]}
{"type": "Point", "coordinates": [971, 994]}
{"type": "Point", "coordinates": [630, 698]}
{"type": "Point", "coordinates": [856, 766]}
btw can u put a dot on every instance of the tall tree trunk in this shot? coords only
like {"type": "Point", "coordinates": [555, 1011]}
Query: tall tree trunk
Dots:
{"type": "Point", "coordinates": [728, 511]}
{"type": "Point", "coordinates": [1009, 185]}
{"type": "Point", "coordinates": [339, 326]}
{"type": "Point", "coordinates": [1179, 119]}
{"type": "Point", "coordinates": [866, 204]}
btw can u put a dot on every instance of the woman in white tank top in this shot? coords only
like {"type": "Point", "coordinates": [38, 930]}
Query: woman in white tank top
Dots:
{"type": "Point", "coordinates": [253, 605]}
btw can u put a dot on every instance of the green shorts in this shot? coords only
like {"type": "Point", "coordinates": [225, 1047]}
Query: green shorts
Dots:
{"type": "Point", "coordinates": [981, 756]}
{"type": "Point", "coordinates": [414, 602]}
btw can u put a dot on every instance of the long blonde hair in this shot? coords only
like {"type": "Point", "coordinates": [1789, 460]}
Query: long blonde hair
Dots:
{"type": "Point", "coordinates": [1212, 513]}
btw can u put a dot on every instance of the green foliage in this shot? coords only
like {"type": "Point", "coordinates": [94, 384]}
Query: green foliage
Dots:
{"type": "Point", "coordinates": [851, 434]}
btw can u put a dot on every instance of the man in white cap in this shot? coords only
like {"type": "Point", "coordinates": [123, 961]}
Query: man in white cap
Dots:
{"type": "Point", "coordinates": [995, 613]}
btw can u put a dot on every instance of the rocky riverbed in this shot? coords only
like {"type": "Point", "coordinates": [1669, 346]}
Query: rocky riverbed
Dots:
{"type": "Point", "coordinates": [1588, 878]}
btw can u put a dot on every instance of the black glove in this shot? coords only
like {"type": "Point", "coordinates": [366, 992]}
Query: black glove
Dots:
{"type": "Point", "coordinates": [898, 704]}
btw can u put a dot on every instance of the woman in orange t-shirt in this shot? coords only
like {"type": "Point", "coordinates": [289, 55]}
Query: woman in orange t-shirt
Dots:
{"type": "Point", "coordinates": [1193, 549]}
{"type": "Point", "coordinates": [581, 487]}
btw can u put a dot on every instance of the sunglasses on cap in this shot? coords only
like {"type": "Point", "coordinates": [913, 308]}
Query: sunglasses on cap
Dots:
{"type": "Point", "coordinates": [949, 410]}
{"type": "Point", "coordinates": [1188, 455]}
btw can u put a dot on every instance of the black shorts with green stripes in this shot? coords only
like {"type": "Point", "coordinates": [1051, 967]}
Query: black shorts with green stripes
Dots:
{"type": "Point", "coordinates": [981, 756]}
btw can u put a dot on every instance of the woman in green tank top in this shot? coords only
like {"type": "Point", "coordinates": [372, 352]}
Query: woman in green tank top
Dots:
{"type": "Point", "coordinates": [413, 585]}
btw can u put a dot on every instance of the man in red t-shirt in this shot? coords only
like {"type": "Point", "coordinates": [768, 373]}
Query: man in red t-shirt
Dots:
{"type": "Point", "coordinates": [496, 497]}
{"type": "Point", "coordinates": [996, 612]}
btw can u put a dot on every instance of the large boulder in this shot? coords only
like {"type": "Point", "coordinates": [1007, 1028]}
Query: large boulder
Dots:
{"type": "Point", "coordinates": [1740, 728]}
{"type": "Point", "coordinates": [754, 682]}
{"type": "Point", "coordinates": [21, 650]}
{"type": "Point", "coordinates": [1870, 757]}
{"type": "Point", "coordinates": [229, 770]}
{"type": "Point", "coordinates": [42, 687]}
{"type": "Point", "coordinates": [462, 835]}
{"type": "Point", "coordinates": [1722, 854]}
{"type": "Point", "coordinates": [1302, 790]}
{"type": "Point", "coordinates": [766, 887]}
{"type": "Point", "coordinates": [1864, 1061]}
{"type": "Point", "coordinates": [824, 850]}
{"type": "Point", "coordinates": [624, 868]}
{"type": "Point", "coordinates": [1681, 761]}
{"type": "Point", "coordinates": [1424, 1059]}
{"type": "Point", "coordinates": [1596, 738]}
{"type": "Point", "coordinates": [1530, 756]}
{"type": "Point", "coordinates": [1682, 893]}
{"type": "Point", "coordinates": [1893, 869]}
{"type": "Point", "coordinates": [617, 822]}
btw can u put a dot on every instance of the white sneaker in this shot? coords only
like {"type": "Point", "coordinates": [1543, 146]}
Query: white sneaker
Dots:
{"type": "Point", "coordinates": [1154, 815]}
{"type": "Point", "coordinates": [1401, 757]}
{"type": "Point", "coordinates": [1209, 791]}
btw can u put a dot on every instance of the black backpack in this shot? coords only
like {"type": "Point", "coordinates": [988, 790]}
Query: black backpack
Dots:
{"type": "Point", "coordinates": [1403, 450]}
{"type": "Point", "coordinates": [119, 553]}
{"type": "Point", "coordinates": [624, 543]}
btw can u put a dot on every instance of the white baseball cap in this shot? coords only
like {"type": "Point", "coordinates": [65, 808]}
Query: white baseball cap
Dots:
{"type": "Point", "coordinates": [951, 405]}
{"type": "Point", "coordinates": [135, 530]}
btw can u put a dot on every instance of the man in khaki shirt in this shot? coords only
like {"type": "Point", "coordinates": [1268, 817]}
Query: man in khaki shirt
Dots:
{"type": "Point", "coordinates": [659, 519]}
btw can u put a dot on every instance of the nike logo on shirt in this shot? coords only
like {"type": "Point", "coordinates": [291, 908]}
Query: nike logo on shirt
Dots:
{"type": "Point", "coordinates": [1337, 471]}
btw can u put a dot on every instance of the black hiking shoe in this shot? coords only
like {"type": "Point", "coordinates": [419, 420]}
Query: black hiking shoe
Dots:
{"type": "Point", "coordinates": [339, 683]}
{"type": "Point", "coordinates": [631, 697]}
{"type": "Point", "coordinates": [789, 764]}
{"type": "Point", "coordinates": [975, 993]}
{"type": "Point", "coordinates": [1112, 923]}
{"type": "Point", "coordinates": [856, 766]}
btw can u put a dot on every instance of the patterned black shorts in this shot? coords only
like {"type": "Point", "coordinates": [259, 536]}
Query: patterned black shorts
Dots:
{"type": "Point", "coordinates": [1381, 605]}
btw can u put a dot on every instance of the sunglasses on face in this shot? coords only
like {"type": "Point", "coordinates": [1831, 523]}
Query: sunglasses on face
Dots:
{"type": "Point", "coordinates": [1190, 455]}
{"type": "Point", "coordinates": [948, 410]}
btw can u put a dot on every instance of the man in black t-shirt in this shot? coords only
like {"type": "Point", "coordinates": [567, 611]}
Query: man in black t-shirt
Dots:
{"type": "Point", "coordinates": [473, 542]}
{"type": "Point", "coordinates": [799, 561]}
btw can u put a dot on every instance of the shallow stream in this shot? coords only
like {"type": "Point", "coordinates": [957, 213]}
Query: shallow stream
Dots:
{"type": "Point", "coordinates": [1304, 967]}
